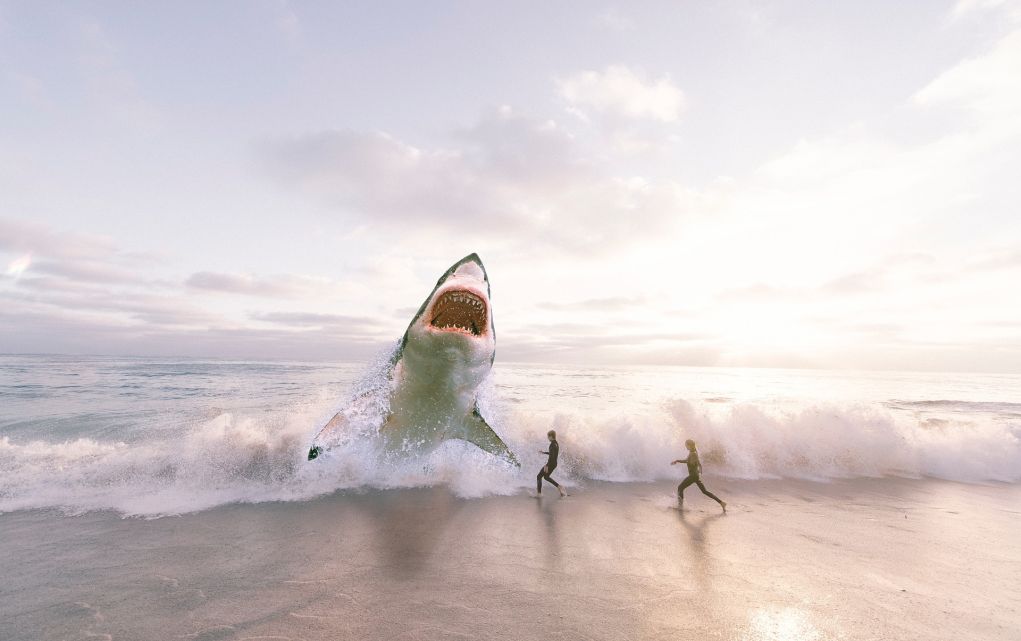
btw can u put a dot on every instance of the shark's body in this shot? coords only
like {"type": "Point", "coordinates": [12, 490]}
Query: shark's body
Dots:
{"type": "Point", "coordinates": [446, 352]}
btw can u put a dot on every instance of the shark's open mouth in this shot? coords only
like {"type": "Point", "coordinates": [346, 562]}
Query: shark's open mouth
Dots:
{"type": "Point", "coordinates": [459, 310]}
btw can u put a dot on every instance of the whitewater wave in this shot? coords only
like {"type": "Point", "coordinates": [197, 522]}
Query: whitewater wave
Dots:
{"type": "Point", "coordinates": [251, 456]}
{"type": "Point", "coordinates": [233, 458]}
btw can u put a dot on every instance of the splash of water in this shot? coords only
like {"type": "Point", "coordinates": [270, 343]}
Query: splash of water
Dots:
{"type": "Point", "coordinates": [256, 455]}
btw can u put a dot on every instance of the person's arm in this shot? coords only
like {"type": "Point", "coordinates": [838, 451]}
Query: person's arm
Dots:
{"type": "Point", "coordinates": [685, 461]}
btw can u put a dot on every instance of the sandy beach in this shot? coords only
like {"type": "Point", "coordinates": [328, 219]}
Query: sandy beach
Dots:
{"type": "Point", "coordinates": [864, 559]}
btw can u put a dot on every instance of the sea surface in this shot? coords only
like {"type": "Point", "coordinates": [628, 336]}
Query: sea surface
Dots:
{"type": "Point", "coordinates": [153, 437]}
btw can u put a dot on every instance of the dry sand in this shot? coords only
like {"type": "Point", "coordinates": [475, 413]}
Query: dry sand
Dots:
{"type": "Point", "coordinates": [793, 561]}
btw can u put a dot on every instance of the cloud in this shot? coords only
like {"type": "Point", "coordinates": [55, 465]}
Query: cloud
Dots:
{"type": "Point", "coordinates": [26, 237]}
{"type": "Point", "coordinates": [810, 217]}
{"type": "Point", "coordinates": [905, 270]}
{"type": "Point", "coordinates": [308, 319]}
{"type": "Point", "coordinates": [19, 265]}
{"type": "Point", "coordinates": [614, 303]}
{"type": "Point", "coordinates": [988, 85]}
{"type": "Point", "coordinates": [638, 340]}
{"type": "Point", "coordinates": [1004, 259]}
{"type": "Point", "coordinates": [118, 307]}
{"type": "Point", "coordinates": [694, 349]}
{"type": "Point", "coordinates": [405, 312]}
{"type": "Point", "coordinates": [886, 331]}
{"type": "Point", "coordinates": [853, 283]}
{"type": "Point", "coordinates": [62, 331]}
{"type": "Point", "coordinates": [622, 93]}
{"type": "Point", "coordinates": [82, 294]}
{"type": "Point", "coordinates": [593, 339]}
{"type": "Point", "coordinates": [89, 271]}
{"type": "Point", "coordinates": [761, 292]}
{"type": "Point", "coordinates": [112, 299]}
{"type": "Point", "coordinates": [59, 256]}
{"type": "Point", "coordinates": [527, 181]}
{"type": "Point", "coordinates": [963, 8]}
{"type": "Point", "coordinates": [481, 184]}
{"type": "Point", "coordinates": [54, 314]}
{"type": "Point", "coordinates": [277, 286]}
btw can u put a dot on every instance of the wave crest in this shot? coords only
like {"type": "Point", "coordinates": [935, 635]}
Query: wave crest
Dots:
{"type": "Point", "coordinates": [240, 457]}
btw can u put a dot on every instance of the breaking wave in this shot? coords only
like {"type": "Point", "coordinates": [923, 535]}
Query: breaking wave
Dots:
{"type": "Point", "coordinates": [258, 455]}
{"type": "Point", "coordinates": [816, 442]}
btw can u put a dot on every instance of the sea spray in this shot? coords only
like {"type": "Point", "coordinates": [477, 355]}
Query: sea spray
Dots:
{"type": "Point", "coordinates": [241, 433]}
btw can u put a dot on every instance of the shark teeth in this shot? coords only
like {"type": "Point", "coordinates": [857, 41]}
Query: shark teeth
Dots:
{"type": "Point", "coordinates": [460, 311]}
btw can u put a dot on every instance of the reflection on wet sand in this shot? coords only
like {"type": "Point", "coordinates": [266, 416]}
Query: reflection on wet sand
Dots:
{"type": "Point", "coordinates": [695, 533]}
{"type": "Point", "coordinates": [764, 624]}
{"type": "Point", "coordinates": [547, 510]}
{"type": "Point", "coordinates": [408, 526]}
{"type": "Point", "coordinates": [696, 529]}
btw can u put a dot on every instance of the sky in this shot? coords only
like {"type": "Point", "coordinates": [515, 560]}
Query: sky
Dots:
{"type": "Point", "coordinates": [761, 184]}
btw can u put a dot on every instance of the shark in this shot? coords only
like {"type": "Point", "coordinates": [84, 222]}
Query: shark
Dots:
{"type": "Point", "coordinates": [435, 372]}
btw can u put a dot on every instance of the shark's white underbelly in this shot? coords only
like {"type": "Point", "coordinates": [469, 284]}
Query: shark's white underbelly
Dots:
{"type": "Point", "coordinates": [429, 406]}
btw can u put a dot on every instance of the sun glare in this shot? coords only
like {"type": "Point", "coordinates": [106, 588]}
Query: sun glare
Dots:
{"type": "Point", "coordinates": [788, 624]}
{"type": "Point", "coordinates": [19, 265]}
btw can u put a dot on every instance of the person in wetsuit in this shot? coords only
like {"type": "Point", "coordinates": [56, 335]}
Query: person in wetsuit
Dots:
{"type": "Point", "coordinates": [694, 475]}
{"type": "Point", "coordinates": [551, 464]}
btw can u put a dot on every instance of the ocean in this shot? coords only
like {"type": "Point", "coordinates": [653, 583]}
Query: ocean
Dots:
{"type": "Point", "coordinates": [154, 436]}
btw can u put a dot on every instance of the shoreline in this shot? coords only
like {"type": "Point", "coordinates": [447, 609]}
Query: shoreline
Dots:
{"type": "Point", "coordinates": [859, 559]}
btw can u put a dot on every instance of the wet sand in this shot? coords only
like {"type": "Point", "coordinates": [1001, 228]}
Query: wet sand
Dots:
{"type": "Point", "coordinates": [865, 559]}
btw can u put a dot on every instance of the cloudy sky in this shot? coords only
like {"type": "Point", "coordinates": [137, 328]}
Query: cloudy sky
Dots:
{"type": "Point", "coordinates": [789, 184]}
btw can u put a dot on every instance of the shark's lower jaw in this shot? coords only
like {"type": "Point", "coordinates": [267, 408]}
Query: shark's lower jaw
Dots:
{"type": "Point", "coordinates": [459, 310]}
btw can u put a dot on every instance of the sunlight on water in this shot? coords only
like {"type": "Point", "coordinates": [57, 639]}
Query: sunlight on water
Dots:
{"type": "Point", "coordinates": [787, 624]}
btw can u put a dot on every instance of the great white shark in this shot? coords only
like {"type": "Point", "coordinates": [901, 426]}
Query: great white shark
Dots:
{"type": "Point", "coordinates": [446, 352]}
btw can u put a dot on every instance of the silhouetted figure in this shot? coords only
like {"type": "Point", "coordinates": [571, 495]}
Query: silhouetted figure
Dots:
{"type": "Point", "coordinates": [694, 475]}
{"type": "Point", "coordinates": [551, 464]}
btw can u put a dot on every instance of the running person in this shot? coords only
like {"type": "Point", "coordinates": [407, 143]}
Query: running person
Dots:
{"type": "Point", "coordinates": [694, 475]}
{"type": "Point", "coordinates": [551, 464]}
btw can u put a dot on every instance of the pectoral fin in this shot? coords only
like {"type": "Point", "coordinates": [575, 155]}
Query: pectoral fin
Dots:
{"type": "Point", "coordinates": [478, 432]}
{"type": "Point", "coordinates": [338, 420]}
